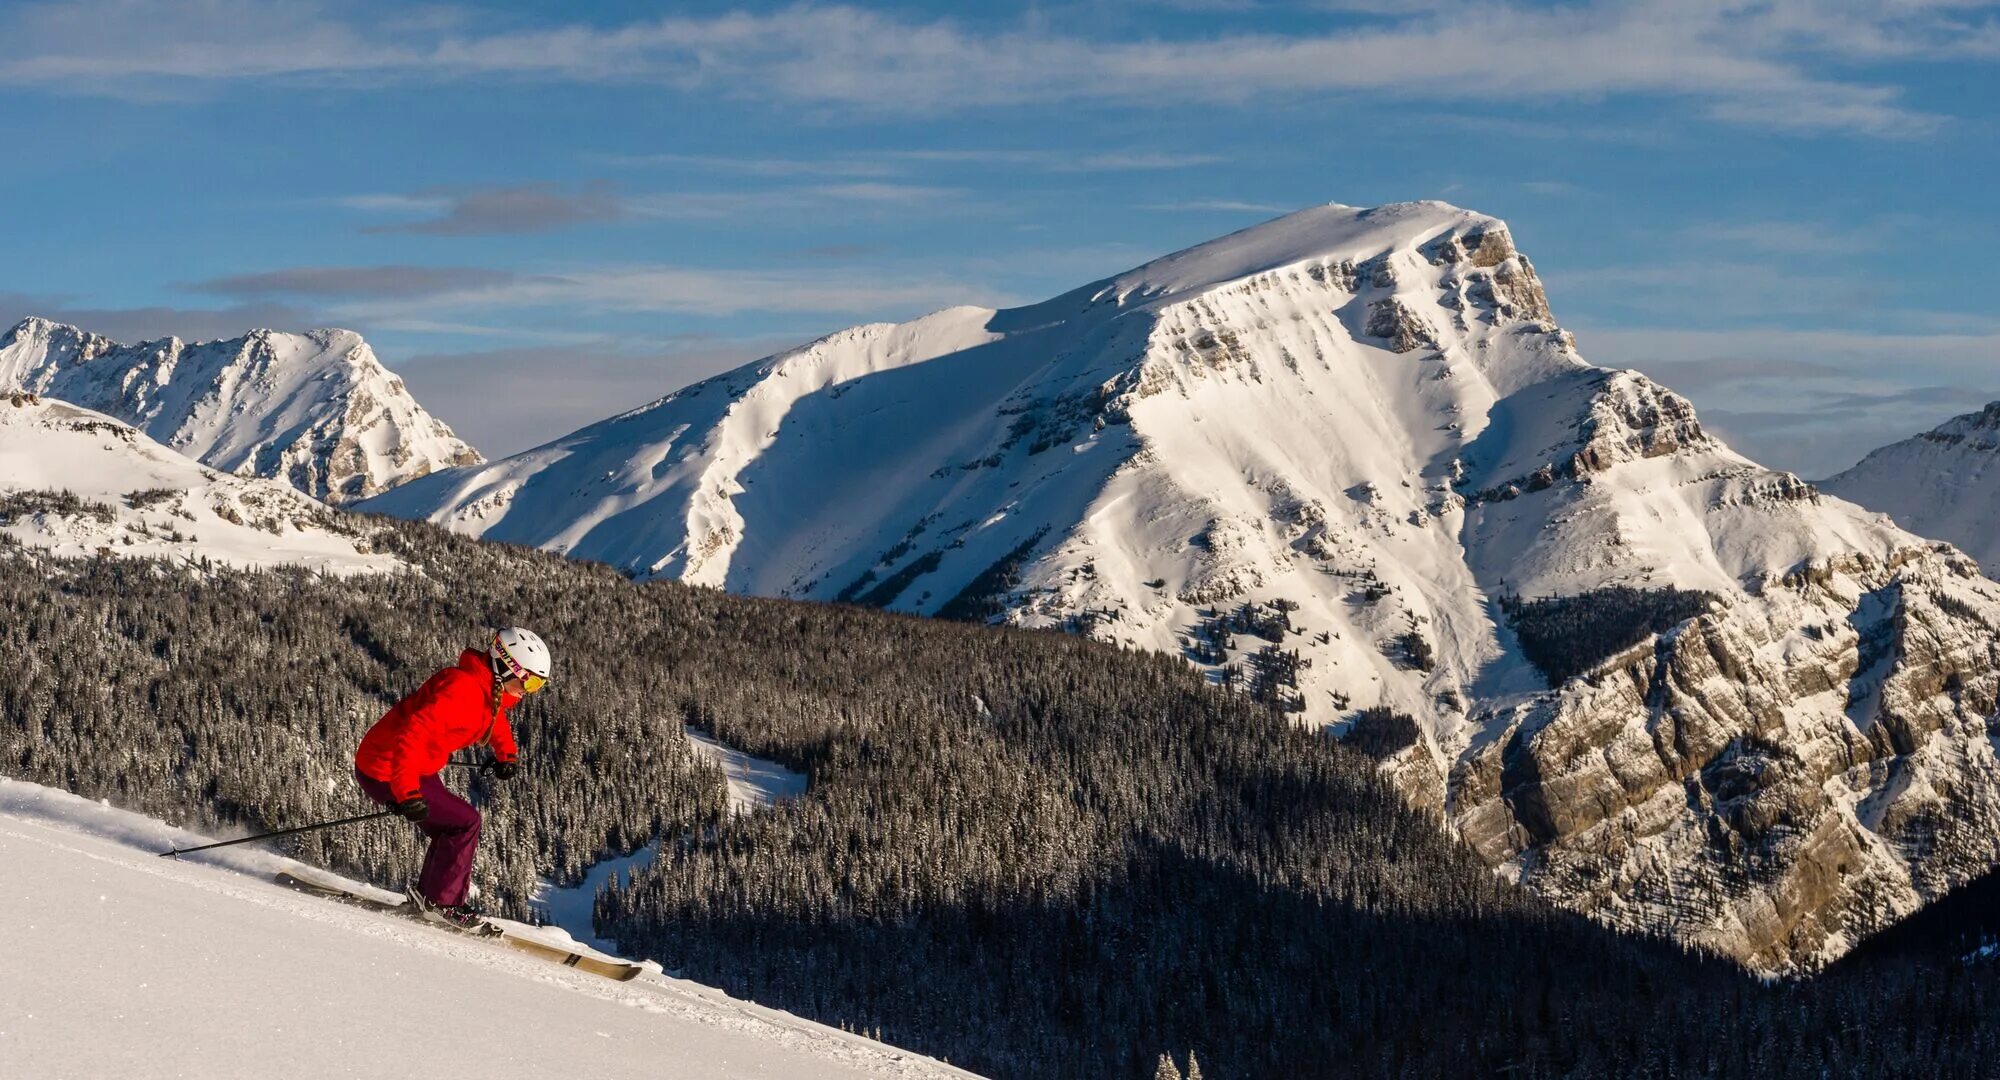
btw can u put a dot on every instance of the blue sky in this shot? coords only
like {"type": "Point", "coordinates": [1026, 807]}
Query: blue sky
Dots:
{"type": "Point", "coordinates": [541, 214]}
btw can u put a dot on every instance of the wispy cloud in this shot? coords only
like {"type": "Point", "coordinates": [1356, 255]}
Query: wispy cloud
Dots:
{"type": "Point", "coordinates": [698, 291]}
{"type": "Point", "coordinates": [892, 163]}
{"type": "Point", "coordinates": [1220, 205]}
{"type": "Point", "coordinates": [1784, 65]}
{"type": "Point", "coordinates": [545, 207]}
{"type": "Point", "coordinates": [758, 166]}
{"type": "Point", "coordinates": [880, 192]}
{"type": "Point", "coordinates": [525, 208]}
{"type": "Point", "coordinates": [1851, 236]}
{"type": "Point", "coordinates": [402, 204]}
{"type": "Point", "coordinates": [453, 299]}
{"type": "Point", "coordinates": [1734, 286]}
{"type": "Point", "coordinates": [1061, 161]}
{"type": "Point", "coordinates": [350, 282]}
{"type": "Point", "coordinates": [789, 199]}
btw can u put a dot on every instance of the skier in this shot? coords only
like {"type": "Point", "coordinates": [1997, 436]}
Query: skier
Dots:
{"type": "Point", "coordinates": [400, 757]}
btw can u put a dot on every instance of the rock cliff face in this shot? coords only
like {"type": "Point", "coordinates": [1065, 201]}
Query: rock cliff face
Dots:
{"type": "Point", "coordinates": [1346, 461]}
{"type": "Point", "coordinates": [1775, 779]}
{"type": "Point", "coordinates": [316, 410]}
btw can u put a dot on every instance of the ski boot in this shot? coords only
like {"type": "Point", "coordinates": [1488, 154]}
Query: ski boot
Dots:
{"type": "Point", "coordinates": [460, 917]}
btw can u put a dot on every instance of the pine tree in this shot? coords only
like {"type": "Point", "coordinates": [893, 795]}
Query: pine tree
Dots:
{"type": "Point", "coordinates": [1167, 1070]}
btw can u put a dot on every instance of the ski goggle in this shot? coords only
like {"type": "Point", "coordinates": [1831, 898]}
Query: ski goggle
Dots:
{"type": "Point", "coordinates": [530, 682]}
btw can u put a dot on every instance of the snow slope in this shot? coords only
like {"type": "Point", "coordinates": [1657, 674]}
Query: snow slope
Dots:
{"type": "Point", "coordinates": [1943, 483]}
{"type": "Point", "coordinates": [123, 964]}
{"type": "Point", "coordinates": [316, 410]}
{"type": "Point", "coordinates": [753, 782]}
{"type": "Point", "coordinates": [129, 495]}
{"type": "Point", "coordinates": [1329, 446]}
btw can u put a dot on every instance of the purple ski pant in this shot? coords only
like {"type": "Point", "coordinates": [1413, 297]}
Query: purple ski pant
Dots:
{"type": "Point", "coordinates": [453, 826]}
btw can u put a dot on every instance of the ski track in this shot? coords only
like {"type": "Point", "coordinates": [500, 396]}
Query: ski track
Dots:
{"type": "Point", "coordinates": [146, 967]}
{"type": "Point", "coordinates": [753, 782]}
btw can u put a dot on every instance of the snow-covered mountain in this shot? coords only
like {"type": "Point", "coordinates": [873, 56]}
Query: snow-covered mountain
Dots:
{"type": "Point", "coordinates": [124, 964]}
{"type": "Point", "coordinates": [1331, 450]}
{"type": "Point", "coordinates": [77, 482]}
{"type": "Point", "coordinates": [316, 410]}
{"type": "Point", "coordinates": [1943, 483]}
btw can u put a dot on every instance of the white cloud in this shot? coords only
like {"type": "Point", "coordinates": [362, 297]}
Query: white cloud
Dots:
{"type": "Point", "coordinates": [519, 208]}
{"type": "Point", "coordinates": [893, 163]}
{"type": "Point", "coordinates": [693, 291]}
{"type": "Point", "coordinates": [1220, 205]}
{"type": "Point", "coordinates": [1754, 64]}
{"type": "Point", "coordinates": [876, 191]}
{"type": "Point", "coordinates": [1852, 236]}
{"type": "Point", "coordinates": [1710, 290]}
{"type": "Point", "coordinates": [758, 166]}
{"type": "Point", "coordinates": [1061, 160]}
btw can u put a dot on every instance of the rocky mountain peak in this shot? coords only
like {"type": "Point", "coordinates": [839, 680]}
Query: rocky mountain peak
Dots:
{"type": "Point", "coordinates": [1345, 462]}
{"type": "Point", "coordinates": [315, 409]}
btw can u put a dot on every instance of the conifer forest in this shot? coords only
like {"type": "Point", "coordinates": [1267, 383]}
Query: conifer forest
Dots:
{"type": "Point", "coordinates": [1027, 853]}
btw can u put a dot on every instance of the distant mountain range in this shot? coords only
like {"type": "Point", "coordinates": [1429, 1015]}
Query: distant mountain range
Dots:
{"type": "Point", "coordinates": [1346, 461]}
{"type": "Point", "coordinates": [1943, 483]}
{"type": "Point", "coordinates": [316, 409]}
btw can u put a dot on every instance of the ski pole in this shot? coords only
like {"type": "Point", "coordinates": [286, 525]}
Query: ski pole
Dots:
{"type": "Point", "coordinates": [180, 851]}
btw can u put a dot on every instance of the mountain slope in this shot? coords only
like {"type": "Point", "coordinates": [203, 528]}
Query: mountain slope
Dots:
{"type": "Point", "coordinates": [129, 965]}
{"type": "Point", "coordinates": [316, 410]}
{"type": "Point", "coordinates": [1326, 457]}
{"type": "Point", "coordinates": [78, 482]}
{"type": "Point", "coordinates": [1108, 859]}
{"type": "Point", "coordinates": [1943, 483]}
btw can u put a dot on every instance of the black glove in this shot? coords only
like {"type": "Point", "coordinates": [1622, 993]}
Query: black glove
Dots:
{"type": "Point", "coordinates": [505, 770]}
{"type": "Point", "coordinates": [415, 809]}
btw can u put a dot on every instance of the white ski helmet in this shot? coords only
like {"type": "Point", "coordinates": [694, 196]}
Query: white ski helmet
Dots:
{"type": "Point", "coordinates": [519, 653]}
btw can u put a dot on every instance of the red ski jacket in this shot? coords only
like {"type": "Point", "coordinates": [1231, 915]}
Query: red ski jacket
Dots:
{"type": "Point", "coordinates": [454, 709]}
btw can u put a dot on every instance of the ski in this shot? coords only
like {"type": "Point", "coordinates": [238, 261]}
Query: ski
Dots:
{"type": "Point", "coordinates": [305, 882]}
{"type": "Point", "coordinates": [620, 970]}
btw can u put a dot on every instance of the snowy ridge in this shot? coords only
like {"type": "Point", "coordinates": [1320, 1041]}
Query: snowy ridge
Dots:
{"type": "Point", "coordinates": [78, 483]}
{"type": "Point", "coordinates": [1342, 439]}
{"type": "Point", "coordinates": [146, 967]}
{"type": "Point", "coordinates": [316, 410]}
{"type": "Point", "coordinates": [1944, 483]}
